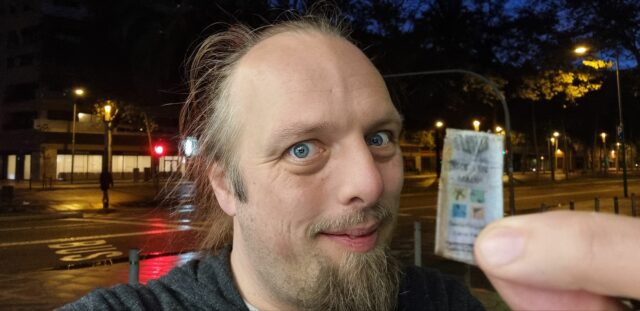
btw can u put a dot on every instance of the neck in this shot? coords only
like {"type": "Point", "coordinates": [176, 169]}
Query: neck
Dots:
{"type": "Point", "coordinates": [250, 284]}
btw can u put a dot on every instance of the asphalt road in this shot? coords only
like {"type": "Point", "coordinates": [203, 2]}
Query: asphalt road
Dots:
{"type": "Point", "coordinates": [91, 240]}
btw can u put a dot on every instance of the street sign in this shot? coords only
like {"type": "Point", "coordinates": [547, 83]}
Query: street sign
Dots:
{"type": "Point", "coordinates": [620, 133]}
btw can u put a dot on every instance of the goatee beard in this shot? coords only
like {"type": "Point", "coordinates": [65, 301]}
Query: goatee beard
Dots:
{"type": "Point", "coordinates": [363, 281]}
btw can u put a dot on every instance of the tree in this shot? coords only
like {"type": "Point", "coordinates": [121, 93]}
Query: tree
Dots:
{"type": "Point", "coordinates": [566, 85]}
{"type": "Point", "coordinates": [127, 117]}
{"type": "Point", "coordinates": [612, 25]}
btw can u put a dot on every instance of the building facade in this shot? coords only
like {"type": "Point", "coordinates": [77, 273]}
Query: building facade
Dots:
{"type": "Point", "coordinates": [39, 68]}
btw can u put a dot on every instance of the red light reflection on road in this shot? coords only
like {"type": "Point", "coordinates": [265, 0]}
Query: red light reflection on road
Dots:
{"type": "Point", "coordinates": [155, 268]}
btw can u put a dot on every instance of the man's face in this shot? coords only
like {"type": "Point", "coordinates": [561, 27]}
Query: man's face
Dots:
{"type": "Point", "coordinates": [319, 156]}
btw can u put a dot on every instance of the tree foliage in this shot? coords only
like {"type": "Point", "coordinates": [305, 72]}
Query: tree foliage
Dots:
{"type": "Point", "coordinates": [566, 85]}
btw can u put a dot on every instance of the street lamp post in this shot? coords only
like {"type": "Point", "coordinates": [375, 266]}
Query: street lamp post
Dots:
{"type": "Point", "coordinates": [555, 150]}
{"type": "Point", "coordinates": [552, 151]}
{"type": "Point", "coordinates": [439, 125]}
{"type": "Point", "coordinates": [581, 50]}
{"type": "Point", "coordinates": [605, 163]}
{"type": "Point", "coordinates": [78, 93]}
{"type": "Point", "coordinates": [566, 157]}
{"type": "Point", "coordinates": [617, 156]}
{"type": "Point", "coordinates": [105, 176]}
{"type": "Point", "coordinates": [621, 130]}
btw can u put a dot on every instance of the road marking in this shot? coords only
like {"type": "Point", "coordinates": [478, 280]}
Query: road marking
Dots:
{"type": "Point", "coordinates": [129, 222]}
{"type": "Point", "coordinates": [77, 251]}
{"type": "Point", "coordinates": [197, 225]}
{"type": "Point", "coordinates": [94, 237]}
{"type": "Point", "coordinates": [538, 196]}
{"type": "Point", "coordinates": [42, 227]}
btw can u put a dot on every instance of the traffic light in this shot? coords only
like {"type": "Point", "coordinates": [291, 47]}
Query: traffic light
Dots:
{"type": "Point", "coordinates": [159, 149]}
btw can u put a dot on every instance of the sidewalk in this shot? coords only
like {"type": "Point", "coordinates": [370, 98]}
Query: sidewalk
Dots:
{"type": "Point", "coordinates": [46, 290]}
{"type": "Point", "coordinates": [75, 198]}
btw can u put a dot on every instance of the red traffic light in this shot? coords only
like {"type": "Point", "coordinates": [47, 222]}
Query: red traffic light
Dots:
{"type": "Point", "coordinates": [158, 150]}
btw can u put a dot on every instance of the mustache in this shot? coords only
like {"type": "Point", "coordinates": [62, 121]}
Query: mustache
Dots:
{"type": "Point", "coordinates": [378, 212]}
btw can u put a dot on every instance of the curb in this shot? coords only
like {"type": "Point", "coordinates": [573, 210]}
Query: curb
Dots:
{"type": "Point", "coordinates": [41, 216]}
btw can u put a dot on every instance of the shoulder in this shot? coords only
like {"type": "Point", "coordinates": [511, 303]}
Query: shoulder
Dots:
{"type": "Point", "coordinates": [120, 297]}
{"type": "Point", "coordinates": [428, 289]}
{"type": "Point", "coordinates": [201, 284]}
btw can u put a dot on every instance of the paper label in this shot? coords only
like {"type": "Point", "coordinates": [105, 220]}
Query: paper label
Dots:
{"type": "Point", "coordinates": [470, 191]}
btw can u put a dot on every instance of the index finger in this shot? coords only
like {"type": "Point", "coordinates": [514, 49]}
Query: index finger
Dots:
{"type": "Point", "coordinates": [597, 253]}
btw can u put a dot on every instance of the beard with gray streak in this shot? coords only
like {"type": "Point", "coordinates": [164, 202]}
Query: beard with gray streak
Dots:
{"type": "Point", "coordinates": [368, 281]}
{"type": "Point", "coordinates": [363, 281]}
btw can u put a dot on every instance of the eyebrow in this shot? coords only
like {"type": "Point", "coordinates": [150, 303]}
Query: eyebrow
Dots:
{"type": "Point", "coordinates": [298, 129]}
{"type": "Point", "coordinates": [301, 129]}
{"type": "Point", "coordinates": [391, 119]}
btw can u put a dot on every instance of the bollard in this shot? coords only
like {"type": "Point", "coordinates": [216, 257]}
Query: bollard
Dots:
{"type": "Point", "coordinates": [634, 205]}
{"type": "Point", "coordinates": [572, 205]}
{"type": "Point", "coordinates": [597, 205]}
{"type": "Point", "coordinates": [616, 209]}
{"type": "Point", "coordinates": [417, 243]}
{"type": "Point", "coordinates": [543, 208]}
{"type": "Point", "coordinates": [134, 266]}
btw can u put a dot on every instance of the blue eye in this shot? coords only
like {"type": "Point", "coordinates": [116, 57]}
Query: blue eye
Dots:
{"type": "Point", "coordinates": [378, 139]}
{"type": "Point", "coordinates": [301, 150]}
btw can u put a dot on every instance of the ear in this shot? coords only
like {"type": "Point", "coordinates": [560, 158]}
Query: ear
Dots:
{"type": "Point", "coordinates": [221, 189]}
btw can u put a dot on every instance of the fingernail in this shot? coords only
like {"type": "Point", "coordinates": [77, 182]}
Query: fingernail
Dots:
{"type": "Point", "coordinates": [501, 246]}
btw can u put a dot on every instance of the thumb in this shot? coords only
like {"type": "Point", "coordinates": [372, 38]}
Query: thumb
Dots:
{"type": "Point", "coordinates": [564, 251]}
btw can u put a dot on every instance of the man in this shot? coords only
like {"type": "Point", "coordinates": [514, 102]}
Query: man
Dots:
{"type": "Point", "coordinates": [300, 172]}
{"type": "Point", "coordinates": [299, 175]}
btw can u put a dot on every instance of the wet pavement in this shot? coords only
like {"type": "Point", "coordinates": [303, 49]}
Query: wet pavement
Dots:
{"type": "Point", "coordinates": [46, 290]}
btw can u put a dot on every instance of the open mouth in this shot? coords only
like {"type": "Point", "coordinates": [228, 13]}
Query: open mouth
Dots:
{"type": "Point", "coordinates": [359, 239]}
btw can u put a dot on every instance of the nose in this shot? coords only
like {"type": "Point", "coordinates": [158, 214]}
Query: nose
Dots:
{"type": "Point", "coordinates": [360, 177]}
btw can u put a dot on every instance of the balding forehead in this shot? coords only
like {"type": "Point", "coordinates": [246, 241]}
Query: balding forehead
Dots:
{"type": "Point", "coordinates": [303, 54]}
{"type": "Point", "coordinates": [302, 68]}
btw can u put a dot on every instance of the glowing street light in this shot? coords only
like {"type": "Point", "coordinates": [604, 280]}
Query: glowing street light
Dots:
{"type": "Point", "coordinates": [476, 125]}
{"type": "Point", "coordinates": [603, 135]}
{"type": "Point", "coordinates": [107, 113]}
{"type": "Point", "coordinates": [439, 124]}
{"type": "Point", "coordinates": [581, 49]}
